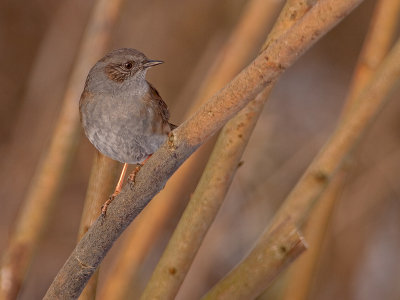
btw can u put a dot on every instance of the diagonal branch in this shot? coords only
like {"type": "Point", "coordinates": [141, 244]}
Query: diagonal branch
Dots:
{"type": "Point", "coordinates": [209, 118]}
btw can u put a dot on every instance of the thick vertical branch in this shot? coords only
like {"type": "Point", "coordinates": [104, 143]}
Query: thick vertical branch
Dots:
{"type": "Point", "coordinates": [48, 177]}
{"type": "Point", "coordinates": [208, 119]}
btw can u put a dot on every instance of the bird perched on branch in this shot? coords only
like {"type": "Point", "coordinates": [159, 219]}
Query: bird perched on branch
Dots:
{"type": "Point", "coordinates": [122, 114]}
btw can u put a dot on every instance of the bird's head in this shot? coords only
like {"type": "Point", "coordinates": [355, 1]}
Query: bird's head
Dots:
{"type": "Point", "coordinates": [122, 68]}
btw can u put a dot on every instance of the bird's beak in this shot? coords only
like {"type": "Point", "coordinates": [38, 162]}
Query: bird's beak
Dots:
{"type": "Point", "coordinates": [151, 63]}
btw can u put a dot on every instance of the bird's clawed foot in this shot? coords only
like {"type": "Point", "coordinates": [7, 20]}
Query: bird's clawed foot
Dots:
{"type": "Point", "coordinates": [107, 203]}
{"type": "Point", "coordinates": [116, 191]}
{"type": "Point", "coordinates": [132, 176]}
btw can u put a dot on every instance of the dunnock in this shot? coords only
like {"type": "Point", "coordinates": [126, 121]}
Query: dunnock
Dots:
{"type": "Point", "coordinates": [122, 114]}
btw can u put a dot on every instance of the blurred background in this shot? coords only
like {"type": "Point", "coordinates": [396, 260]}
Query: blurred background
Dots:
{"type": "Point", "coordinates": [39, 40]}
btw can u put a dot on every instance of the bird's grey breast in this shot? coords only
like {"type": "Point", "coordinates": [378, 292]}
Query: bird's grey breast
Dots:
{"type": "Point", "coordinates": [119, 125]}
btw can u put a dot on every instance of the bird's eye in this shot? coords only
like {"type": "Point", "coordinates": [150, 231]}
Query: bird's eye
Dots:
{"type": "Point", "coordinates": [128, 65]}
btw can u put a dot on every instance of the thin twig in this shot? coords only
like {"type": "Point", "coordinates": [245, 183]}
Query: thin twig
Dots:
{"type": "Point", "coordinates": [48, 177]}
{"type": "Point", "coordinates": [184, 140]}
{"type": "Point", "coordinates": [214, 183]}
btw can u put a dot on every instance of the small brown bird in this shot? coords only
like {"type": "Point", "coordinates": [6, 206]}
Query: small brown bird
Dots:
{"type": "Point", "coordinates": [122, 114]}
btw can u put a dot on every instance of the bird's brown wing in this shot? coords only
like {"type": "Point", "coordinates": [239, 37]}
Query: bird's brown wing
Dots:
{"type": "Point", "coordinates": [160, 105]}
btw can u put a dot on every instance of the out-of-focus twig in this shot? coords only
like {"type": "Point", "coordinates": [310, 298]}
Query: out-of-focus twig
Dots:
{"type": "Point", "coordinates": [243, 43]}
{"type": "Point", "coordinates": [315, 180]}
{"type": "Point", "coordinates": [102, 180]}
{"type": "Point", "coordinates": [377, 44]}
{"type": "Point", "coordinates": [184, 140]}
{"type": "Point", "coordinates": [251, 30]}
{"type": "Point", "coordinates": [214, 183]}
{"type": "Point", "coordinates": [48, 177]}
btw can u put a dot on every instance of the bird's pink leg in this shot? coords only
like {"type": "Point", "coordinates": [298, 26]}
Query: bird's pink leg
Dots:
{"type": "Point", "coordinates": [131, 177]}
{"type": "Point", "coordinates": [116, 191]}
{"type": "Point", "coordinates": [121, 180]}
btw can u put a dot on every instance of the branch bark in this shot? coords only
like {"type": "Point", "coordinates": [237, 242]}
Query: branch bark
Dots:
{"type": "Point", "coordinates": [184, 140]}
